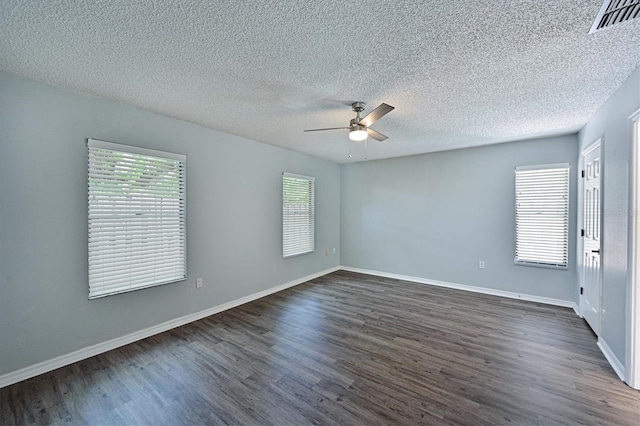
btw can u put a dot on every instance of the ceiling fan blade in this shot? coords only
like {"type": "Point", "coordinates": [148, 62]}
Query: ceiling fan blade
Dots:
{"type": "Point", "coordinates": [376, 135]}
{"type": "Point", "coordinates": [375, 115]}
{"type": "Point", "coordinates": [329, 128]}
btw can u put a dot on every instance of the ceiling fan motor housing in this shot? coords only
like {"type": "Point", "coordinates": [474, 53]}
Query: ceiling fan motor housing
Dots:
{"type": "Point", "coordinates": [354, 124]}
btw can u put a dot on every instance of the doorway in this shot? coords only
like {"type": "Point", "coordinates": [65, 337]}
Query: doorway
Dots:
{"type": "Point", "coordinates": [591, 277]}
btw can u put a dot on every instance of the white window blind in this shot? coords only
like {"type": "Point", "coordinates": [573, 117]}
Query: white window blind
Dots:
{"type": "Point", "coordinates": [542, 215]}
{"type": "Point", "coordinates": [297, 214]}
{"type": "Point", "coordinates": [137, 218]}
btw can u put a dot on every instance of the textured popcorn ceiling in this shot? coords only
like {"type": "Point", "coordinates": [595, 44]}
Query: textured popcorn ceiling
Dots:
{"type": "Point", "coordinates": [460, 73]}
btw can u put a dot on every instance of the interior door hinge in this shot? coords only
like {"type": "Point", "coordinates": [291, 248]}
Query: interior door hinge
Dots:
{"type": "Point", "coordinates": [582, 232]}
{"type": "Point", "coordinates": [583, 173]}
{"type": "Point", "coordinates": [581, 290]}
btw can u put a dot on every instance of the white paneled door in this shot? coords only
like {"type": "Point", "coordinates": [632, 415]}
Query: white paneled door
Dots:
{"type": "Point", "coordinates": [591, 271]}
{"type": "Point", "coordinates": [632, 368]}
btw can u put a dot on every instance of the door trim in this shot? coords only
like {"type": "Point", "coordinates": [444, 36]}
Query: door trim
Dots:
{"type": "Point", "coordinates": [632, 368]}
{"type": "Point", "coordinates": [598, 143]}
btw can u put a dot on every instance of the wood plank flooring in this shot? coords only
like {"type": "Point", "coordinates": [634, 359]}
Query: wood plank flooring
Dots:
{"type": "Point", "coordinates": [345, 349]}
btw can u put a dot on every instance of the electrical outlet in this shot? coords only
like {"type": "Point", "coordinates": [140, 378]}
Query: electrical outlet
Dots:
{"type": "Point", "coordinates": [334, 250]}
{"type": "Point", "coordinates": [481, 264]}
{"type": "Point", "coordinates": [199, 283]}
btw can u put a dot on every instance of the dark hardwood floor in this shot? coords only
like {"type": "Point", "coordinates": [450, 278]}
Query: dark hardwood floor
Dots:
{"type": "Point", "coordinates": [345, 349]}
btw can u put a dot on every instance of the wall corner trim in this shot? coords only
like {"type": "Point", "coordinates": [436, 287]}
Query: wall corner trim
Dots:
{"type": "Point", "coordinates": [89, 351]}
{"type": "Point", "coordinates": [471, 288]}
{"type": "Point", "coordinates": [612, 358]}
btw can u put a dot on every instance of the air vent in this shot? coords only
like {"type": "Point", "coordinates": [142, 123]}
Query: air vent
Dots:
{"type": "Point", "coordinates": [614, 12]}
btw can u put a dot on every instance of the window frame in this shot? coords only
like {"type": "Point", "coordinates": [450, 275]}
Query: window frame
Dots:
{"type": "Point", "coordinates": [136, 211]}
{"type": "Point", "coordinates": [287, 250]}
{"type": "Point", "coordinates": [564, 246]}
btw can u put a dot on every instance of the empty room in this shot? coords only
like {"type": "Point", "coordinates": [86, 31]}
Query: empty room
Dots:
{"type": "Point", "coordinates": [293, 212]}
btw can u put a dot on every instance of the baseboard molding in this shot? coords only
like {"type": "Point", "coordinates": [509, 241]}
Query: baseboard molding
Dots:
{"type": "Point", "coordinates": [483, 290]}
{"type": "Point", "coordinates": [576, 309]}
{"type": "Point", "coordinates": [612, 358]}
{"type": "Point", "coordinates": [84, 353]}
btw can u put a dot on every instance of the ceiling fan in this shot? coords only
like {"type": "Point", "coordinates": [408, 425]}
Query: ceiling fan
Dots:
{"type": "Point", "coordinates": [359, 127]}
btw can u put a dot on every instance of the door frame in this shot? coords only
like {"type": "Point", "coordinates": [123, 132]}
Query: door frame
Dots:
{"type": "Point", "coordinates": [632, 368]}
{"type": "Point", "coordinates": [580, 246]}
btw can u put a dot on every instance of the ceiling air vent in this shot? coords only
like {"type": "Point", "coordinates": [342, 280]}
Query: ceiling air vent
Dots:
{"type": "Point", "coordinates": [613, 12]}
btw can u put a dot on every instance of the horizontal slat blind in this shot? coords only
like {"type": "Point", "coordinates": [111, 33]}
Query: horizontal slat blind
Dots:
{"type": "Point", "coordinates": [542, 215]}
{"type": "Point", "coordinates": [297, 214]}
{"type": "Point", "coordinates": [137, 218]}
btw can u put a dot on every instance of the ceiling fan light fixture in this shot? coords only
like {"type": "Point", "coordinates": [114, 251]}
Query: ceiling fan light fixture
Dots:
{"type": "Point", "coordinates": [358, 133]}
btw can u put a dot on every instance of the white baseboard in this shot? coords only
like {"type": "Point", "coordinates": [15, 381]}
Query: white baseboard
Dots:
{"type": "Point", "coordinates": [483, 290]}
{"type": "Point", "coordinates": [576, 309]}
{"type": "Point", "coordinates": [84, 353]}
{"type": "Point", "coordinates": [612, 358]}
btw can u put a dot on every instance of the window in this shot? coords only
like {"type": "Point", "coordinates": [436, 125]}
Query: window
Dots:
{"type": "Point", "coordinates": [297, 214]}
{"type": "Point", "coordinates": [137, 218]}
{"type": "Point", "coordinates": [542, 215]}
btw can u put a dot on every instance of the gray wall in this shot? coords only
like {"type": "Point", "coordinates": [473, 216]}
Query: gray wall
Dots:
{"type": "Point", "coordinates": [611, 123]}
{"type": "Point", "coordinates": [435, 216]}
{"type": "Point", "coordinates": [234, 220]}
